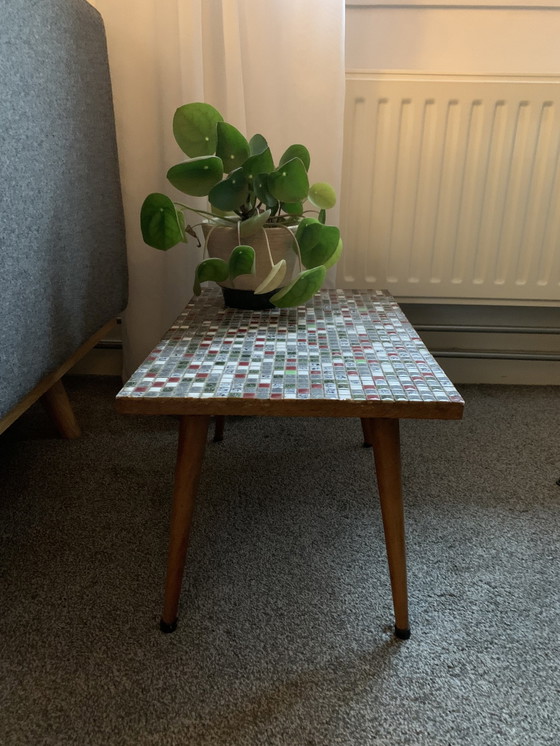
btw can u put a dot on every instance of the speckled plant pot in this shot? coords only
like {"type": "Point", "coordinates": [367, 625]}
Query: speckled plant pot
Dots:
{"type": "Point", "coordinates": [220, 242]}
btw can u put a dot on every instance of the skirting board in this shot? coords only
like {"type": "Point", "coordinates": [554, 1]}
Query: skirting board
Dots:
{"type": "Point", "coordinates": [487, 344]}
{"type": "Point", "coordinates": [511, 372]}
{"type": "Point", "coordinates": [99, 362]}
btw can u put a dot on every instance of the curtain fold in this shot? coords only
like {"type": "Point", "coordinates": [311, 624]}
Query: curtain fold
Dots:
{"type": "Point", "coordinates": [274, 67]}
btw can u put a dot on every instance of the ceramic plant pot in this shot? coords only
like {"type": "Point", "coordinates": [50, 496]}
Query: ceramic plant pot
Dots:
{"type": "Point", "coordinates": [239, 293]}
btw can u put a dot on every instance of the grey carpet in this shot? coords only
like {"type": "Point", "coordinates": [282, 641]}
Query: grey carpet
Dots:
{"type": "Point", "coordinates": [285, 629]}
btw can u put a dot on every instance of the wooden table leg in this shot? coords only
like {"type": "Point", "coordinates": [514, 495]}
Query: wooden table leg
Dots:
{"type": "Point", "coordinates": [386, 450]}
{"type": "Point", "coordinates": [366, 432]}
{"type": "Point", "coordinates": [193, 431]}
{"type": "Point", "coordinates": [219, 427]}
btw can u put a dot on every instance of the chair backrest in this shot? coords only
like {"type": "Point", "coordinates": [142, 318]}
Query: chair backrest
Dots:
{"type": "Point", "coordinates": [62, 246]}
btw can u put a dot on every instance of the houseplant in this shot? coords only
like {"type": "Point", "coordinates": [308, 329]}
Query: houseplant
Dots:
{"type": "Point", "coordinates": [258, 223]}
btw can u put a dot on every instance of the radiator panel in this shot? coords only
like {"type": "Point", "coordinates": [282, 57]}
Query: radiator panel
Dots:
{"type": "Point", "coordinates": [451, 186]}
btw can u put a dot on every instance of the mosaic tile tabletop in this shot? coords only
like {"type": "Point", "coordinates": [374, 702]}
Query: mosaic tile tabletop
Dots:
{"type": "Point", "coordinates": [342, 345]}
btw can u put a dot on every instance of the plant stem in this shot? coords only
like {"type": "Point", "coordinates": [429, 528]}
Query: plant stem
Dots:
{"type": "Point", "coordinates": [269, 251]}
{"type": "Point", "coordinates": [212, 229]}
{"type": "Point", "coordinates": [205, 212]}
{"type": "Point", "coordinates": [280, 225]}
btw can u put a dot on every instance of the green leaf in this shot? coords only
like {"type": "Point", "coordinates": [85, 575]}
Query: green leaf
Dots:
{"type": "Point", "coordinates": [308, 233]}
{"type": "Point", "coordinates": [289, 183]}
{"type": "Point", "coordinates": [293, 208]}
{"type": "Point", "coordinates": [260, 187]}
{"type": "Point", "coordinates": [242, 261]}
{"type": "Point", "coordinates": [273, 279]}
{"type": "Point", "coordinates": [232, 146]}
{"type": "Point", "coordinates": [296, 151]}
{"type": "Point", "coordinates": [322, 251]}
{"type": "Point", "coordinates": [196, 177]}
{"type": "Point", "coordinates": [159, 222]}
{"type": "Point", "coordinates": [194, 127]}
{"type": "Point", "coordinates": [182, 225]}
{"type": "Point", "coordinates": [301, 289]}
{"type": "Point", "coordinates": [335, 256]}
{"type": "Point", "coordinates": [210, 270]}
{"type": "Point", "coordinates": [261, 163]}
{"type": "Point", "coordinates": [221, 213]}
{"type": "Point", "coordinates": [252, 225]}
{"type": "Point", "coordinates": [322, 218]}
{"type": "Point", "coordinates": [322, 195]}
{"type": "Point", "coordinates": [231, 193]}
{"type": "Point", "coordinates": [257, 144]}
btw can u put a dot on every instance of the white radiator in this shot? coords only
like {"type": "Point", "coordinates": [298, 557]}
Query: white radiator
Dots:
{"type": "Point", "coordinates": [451, 187]}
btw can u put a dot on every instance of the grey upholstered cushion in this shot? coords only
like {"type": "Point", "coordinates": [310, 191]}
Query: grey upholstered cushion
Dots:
{"type": "Point", "coordinates": [62, 251]}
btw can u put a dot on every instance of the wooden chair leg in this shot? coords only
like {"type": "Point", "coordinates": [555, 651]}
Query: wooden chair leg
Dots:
{"type": "Point", "coordinates": [193, 431]}
{"type": "Point", "coordinates": [219, 427]}
{"type": "Point", "coordinates": [386, 450]}
{"type": "Point", "coordinates": [57, 404]}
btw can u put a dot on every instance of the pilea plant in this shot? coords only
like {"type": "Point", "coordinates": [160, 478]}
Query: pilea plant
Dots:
{"type": "Point", "coordinates": [246, 191]}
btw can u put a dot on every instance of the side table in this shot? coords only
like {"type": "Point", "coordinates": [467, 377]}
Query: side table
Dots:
{"type": "Point", "coordinates": [346, 353]}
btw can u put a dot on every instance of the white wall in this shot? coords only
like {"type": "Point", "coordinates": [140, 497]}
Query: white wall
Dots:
{"type": "Point", "coordinates": [454, 39]}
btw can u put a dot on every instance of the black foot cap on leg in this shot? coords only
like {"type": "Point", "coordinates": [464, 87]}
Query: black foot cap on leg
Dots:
{"type": "Point", "coordinates": [218, 438]}
{"type": "Point", "coordinates": [366, 445]}
{"type": "Point", "coordinates": [168, 627]}
{"type": "Point", "coordinates": [402, 634]}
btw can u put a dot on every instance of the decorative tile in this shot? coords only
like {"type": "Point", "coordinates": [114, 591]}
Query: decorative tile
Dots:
{"type": "Point", "coordinates": [343, 344]}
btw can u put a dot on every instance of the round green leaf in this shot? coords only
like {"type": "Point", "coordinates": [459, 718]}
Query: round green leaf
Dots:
{"type": "Point", "coordinates": [257, 144]}
{"type": "Point", "coordinates": [260, 187]}
{"type": "Point", "coordinates": [308, 233]}
{"type": "Point", "coordinates": [293, 208]}
{"type": "Point", "coordinates": [231, 193]}
{"type": "Point", "coordinates": [210, 270]}
{"type": "Point", "coordinates": [322, 251]}
{"type": "Point", "coordinates": [322, 195]}
{"type": "Point", "coordinates": [335, 256]}
{"type": "Point", "coordinates": [296, 151]}
{"type": "Point", "coordinates": [242, 261]}
{"type": "Point", "coordinates": [182, 225]}
{"type": "Point", "coordinates": [159, 222]}
{"type": "Point", "coordinates": [194, 127]}
{"type": "Point", "coordinates": [301, 289]}
{"type": "Point", "coordinates": [232, 147]}
{"type": "Point", "coordinates": [289, 183]}
{"type": "Point", "coordinates": [196, 177]}
{"type": "Point", "coordinates": [261, 163]}
{"type": "Point", "coordinates": [221, 213]}
{"type": "Point", "coordinates": [252, 225]}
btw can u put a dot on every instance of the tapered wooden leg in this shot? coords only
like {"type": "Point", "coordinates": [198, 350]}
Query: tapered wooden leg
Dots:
{"type": "Point", "coordinates": [386, 450]}
{"type": "Point", "coordinates": [365, 430]}
{"type": "Point", "coordinates": [57, 404]}
{"type": "Point", "coordinates": [219, 427]}
{"type": "Point", "coordinates": [193, 431]}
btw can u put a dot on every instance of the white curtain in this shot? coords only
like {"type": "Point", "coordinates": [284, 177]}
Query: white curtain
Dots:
{"type": "Point", "coordinates": [270, 66]}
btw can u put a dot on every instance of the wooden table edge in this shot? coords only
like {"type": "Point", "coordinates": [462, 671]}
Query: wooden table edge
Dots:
{"type": "Point", "coordinates": [290, 407]}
